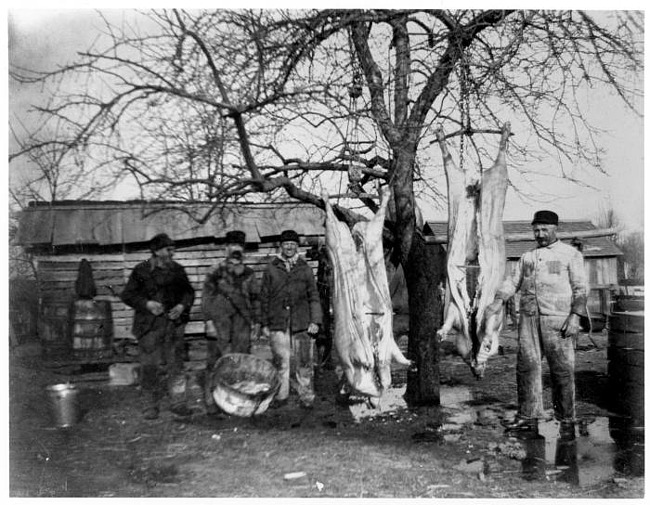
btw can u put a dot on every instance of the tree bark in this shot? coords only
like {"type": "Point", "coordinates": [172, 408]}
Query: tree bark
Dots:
{"type": "Point", "coordinates": [424, 267]}
{"type": "Point", "coordinates": [424, 272]}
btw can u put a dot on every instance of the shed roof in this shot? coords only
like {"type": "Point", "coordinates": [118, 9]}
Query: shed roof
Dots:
{"type": "Point", "coordinates": [114, 223]}
{"type": "Point", "coordinates": [109, 223]}
{"type": "Point", "coordinates": [592, 247]}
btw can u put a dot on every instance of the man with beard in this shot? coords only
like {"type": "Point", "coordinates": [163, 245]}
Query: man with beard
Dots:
{"type": "Point", "coordinates": [231, 303]}
{"type": "Point", "coordinates": [552, 283]}
{"type": "Point", "coordinates": [162, 296]}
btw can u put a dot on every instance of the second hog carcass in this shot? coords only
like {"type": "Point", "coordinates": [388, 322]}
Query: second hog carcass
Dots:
{"type": "Point", "coordinates": [363, 316]}
{"type": "Point", "coordinates": [476, 260]}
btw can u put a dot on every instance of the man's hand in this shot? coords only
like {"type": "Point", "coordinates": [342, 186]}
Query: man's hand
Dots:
{"type": "Point", "coordinates": [312, 329]}
{"type": "Point", "coordinates": [571, 326]}
{"type": "Point", "coordinates": [255, 331]}
{"type": "Point", "coordinates": [176, 312]}
{"type": "Point", "coordinates": [266, 332]}
{"type": "Point", "coordinates": [155, 308]}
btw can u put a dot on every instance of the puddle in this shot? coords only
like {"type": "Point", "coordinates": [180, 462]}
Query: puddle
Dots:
{"type": "Point", "coordinates": [391, 402]}
{"type": "Point", "coordinates": [599, 450]}
{"type": "Point", "coordinates": [602, 447]}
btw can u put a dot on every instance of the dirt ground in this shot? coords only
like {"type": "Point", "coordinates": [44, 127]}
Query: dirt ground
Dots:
{"type": "Point", "coordinates": [458, 450]}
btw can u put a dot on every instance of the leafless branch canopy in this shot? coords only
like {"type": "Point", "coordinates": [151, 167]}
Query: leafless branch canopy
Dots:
{"type": "Point", "coordinates": [232, 105]}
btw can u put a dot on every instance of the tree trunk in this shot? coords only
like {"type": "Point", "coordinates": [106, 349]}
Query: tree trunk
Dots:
{"type": "Point", "coordinates": [424, 272]}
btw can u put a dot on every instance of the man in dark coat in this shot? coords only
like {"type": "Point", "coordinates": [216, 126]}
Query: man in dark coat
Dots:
{"type": "Point", "coordinates": [291, 315]}
{"type": "Point", "coordinates": [162, 296]}
{"type": "Point", "coordinates": [231, 303]}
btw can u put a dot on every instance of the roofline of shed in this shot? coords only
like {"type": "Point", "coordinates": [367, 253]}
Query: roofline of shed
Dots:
{"type": "Point", "coordinates": [170, 203]}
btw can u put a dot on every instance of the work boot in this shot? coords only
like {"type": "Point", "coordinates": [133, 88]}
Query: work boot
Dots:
{"type": "Point", "coordinates": [519, 424]}
{"type": "Point", "coordinates": [277, 403]}
{"type": "Point", "coordinates": [306, 404]}
{"type": "Point", "coordinates": [211, 409]}
{"type": "Point", "coordinates": [567, 430]}
{"type": "Point", "coordinates": [151, 413]}
{"type": "Point", "coordinates": [181, 410]}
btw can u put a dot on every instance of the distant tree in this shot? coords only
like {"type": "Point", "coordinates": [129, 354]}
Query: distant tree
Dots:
{"type": "Point", "coordinates": [632, 246]}
{"type": "Point", "coordinates": [630, 265]}
{"type": "Point", "coordinates": [232, 105]}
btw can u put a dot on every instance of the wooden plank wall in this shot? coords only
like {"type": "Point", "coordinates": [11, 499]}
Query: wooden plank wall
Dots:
{"type": "Point", "coordinates": [57, 275]}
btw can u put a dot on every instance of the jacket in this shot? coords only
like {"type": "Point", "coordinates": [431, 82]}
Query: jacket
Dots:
{"type": "Point", "coordinates": [289, 296]}
{"type": "Point", "coordinates": [551, 281]}
{"type": "Point", "coordinates": [226, 292]}
{"type": "Point", "coordinates": [169, 286]}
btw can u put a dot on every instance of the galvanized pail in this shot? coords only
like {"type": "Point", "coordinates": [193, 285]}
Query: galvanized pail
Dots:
{"type": "Point", "coordinates": [63, 404]}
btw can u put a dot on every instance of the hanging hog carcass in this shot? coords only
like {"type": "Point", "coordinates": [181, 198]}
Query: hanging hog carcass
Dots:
{"type": "Point", "coordinates": [476, 261]}
{"type": "Point", "coordinates": [363, 314]}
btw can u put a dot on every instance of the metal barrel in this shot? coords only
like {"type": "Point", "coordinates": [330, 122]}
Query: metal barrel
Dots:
{"type": "Point", "coordinates": [63, 401]}
{"type": "Point", "coordinates": [626, 364]}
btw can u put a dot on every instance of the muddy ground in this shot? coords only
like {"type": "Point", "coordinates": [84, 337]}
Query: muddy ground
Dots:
{"type": "Point", "coordinates": [458, 450]}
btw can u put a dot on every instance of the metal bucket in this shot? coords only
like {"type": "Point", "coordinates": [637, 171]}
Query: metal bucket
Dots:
{"type": "Point", "coordinates": [63, 404]}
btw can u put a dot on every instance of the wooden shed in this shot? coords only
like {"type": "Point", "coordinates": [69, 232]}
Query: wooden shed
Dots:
{"type": "Point", "coordinates": [114, 237]}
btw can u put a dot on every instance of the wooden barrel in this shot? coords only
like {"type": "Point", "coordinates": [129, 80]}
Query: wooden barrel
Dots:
{"type": "Point", "coordinates": [92, 328]}
{"type": "Point", "coordinates": [625, 367]}
{"type": "Point", "coordinates": [629, 304]}
{"type": "Point", "coordinates": [54, 325]}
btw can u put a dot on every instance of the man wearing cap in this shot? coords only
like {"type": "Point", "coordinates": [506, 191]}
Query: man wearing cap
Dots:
{"type": "Point", "coordinates": [162, 296]}
{"type": "Point", "coordinates": [291, 315]}
{"type": "Point", "coordinates": [231, 302]}
{"type": "Point", "coordinates": [552, 283]}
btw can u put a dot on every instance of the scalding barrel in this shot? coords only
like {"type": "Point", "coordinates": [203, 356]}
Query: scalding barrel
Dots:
{"type": "Point", "coordinates": [625, 367]}
{"type": "Point", "coordinates": [54, 325]}
{"type": "Point", "coordinates": [92, 328]}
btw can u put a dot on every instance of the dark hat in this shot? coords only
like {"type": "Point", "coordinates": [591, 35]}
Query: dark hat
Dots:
{"type": "Point", "coordinates": [236, 237]}
{"type": "Point", "coordinates": [545, 217]}
{"type": "Point", "coordinates": [159, 241]}
{"type": "Point", "coordinates": [289, 236]}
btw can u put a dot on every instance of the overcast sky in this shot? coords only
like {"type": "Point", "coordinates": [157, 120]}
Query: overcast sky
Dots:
{"type": "Point", "coordinates": [43, 38]}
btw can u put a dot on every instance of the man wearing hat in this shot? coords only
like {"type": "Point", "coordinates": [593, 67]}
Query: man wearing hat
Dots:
{"type": "Point", "coordinates": [162, 296]}
{"type": "Point", "coordinates": [552, 284]}
{"type": "Point", "coordinates": [231, 302]}
{"type": "Point", "coordinates": [291, 315]}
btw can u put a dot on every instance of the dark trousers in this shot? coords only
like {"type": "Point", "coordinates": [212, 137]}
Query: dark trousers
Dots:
{"type": "Point", "coordinates": [231, 333]}
{"type": "Point", "coordinates": [540, 336]}
{"type": "Point", "coordinates": [161, 351]}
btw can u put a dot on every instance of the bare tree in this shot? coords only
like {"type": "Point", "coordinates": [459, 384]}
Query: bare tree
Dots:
{"type": "Point", "coordinates": [229, 105]}
{"type": "Point", "coordinates": [633, 249]}
{"type": "Point", "coordinates": [631, 265]}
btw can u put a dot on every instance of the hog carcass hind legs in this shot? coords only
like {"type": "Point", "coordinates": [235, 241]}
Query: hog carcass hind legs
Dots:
{"type": "Point", "coordinates": [492, 253]}
{"type": "Point", "coordinates": [348, 301]}
{"type": "Point", "coordinates": [461, 249]}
